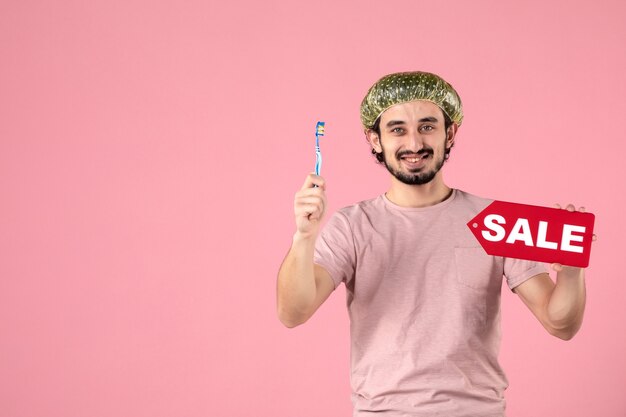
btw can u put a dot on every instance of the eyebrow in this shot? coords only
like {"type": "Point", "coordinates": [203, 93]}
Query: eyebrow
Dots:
{"type": "Point", "coordinates": [392, 123]}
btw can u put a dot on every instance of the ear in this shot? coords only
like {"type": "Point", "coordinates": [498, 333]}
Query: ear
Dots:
{"type": "Point", "coordinates": [451, 134]}
{"type": "Point", "coordinates": [374, 140]}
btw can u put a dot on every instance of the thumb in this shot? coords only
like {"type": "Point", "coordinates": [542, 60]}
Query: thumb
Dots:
{"type": "Point", "coordinates": [557, 267]}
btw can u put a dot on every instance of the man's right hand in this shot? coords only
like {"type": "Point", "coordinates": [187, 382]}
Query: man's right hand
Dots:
{"type": "Point", "coordinates": [302, 286]}
{"type": "Point", "coordinates": [310, 205]}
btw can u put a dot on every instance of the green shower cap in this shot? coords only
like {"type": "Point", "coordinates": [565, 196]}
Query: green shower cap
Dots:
{"type": "Point", "coordinates": [403, 87]}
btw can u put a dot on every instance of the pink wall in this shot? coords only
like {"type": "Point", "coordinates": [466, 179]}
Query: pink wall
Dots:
{"type": "Point", "coordinates": [150, 151]}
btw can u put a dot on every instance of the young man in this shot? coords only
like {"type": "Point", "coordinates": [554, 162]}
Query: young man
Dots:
{"type": "Point", "coordinates": [422, 295]}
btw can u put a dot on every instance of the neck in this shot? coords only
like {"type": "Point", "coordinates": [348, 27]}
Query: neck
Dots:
{"type": "Point", "coordinates": [416, 196]}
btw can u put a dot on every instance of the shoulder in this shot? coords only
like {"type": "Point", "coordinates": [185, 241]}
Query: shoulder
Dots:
{"type": "Point", "coordinates": [356, 217]}
{"type": "Point", "coordinates": [472, 202]}
{"type": "Point", "coordinates": [362, 208]}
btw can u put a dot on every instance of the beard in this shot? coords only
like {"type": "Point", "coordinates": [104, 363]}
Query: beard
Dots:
{"type": "Point", "coordinates": [417, 176]}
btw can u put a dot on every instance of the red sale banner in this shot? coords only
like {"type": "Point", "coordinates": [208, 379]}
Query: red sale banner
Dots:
{"type": "Point", "coordinates": [535, 233]}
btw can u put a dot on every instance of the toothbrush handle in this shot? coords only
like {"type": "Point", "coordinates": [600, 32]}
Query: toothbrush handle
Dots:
{"type": "Point", "coordinates": [318, 162]}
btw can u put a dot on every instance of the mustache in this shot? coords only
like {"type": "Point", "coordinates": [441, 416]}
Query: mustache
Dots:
{"type": "Point", "coordinates": [421, 152]}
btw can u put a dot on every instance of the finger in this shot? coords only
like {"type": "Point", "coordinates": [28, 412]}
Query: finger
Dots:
{"type": "Point", "coordinates": [308, 180]}
{"type": "Point", "coordinates": [557, 267]}
{"type": "Point", "coordinates": [313, 199]}
{"type": "Point", "coordinates": [308, 192]}
{"type": "Point", "coordinates": [557, 205]}
{"type": "Point", "coordinates": [308, 201]}
{"type": "Point", "coordinates": [312, 180]}
{"type": "Point", "coordinates": [594, 238]}
{"type": "Point", "coordinates": [570, 207]}
{"type": "Point", "coordinates": [310, 198]}
{"type": "Point", "coordinates": [306, 210]}
{"type": "Point", "coordinates": [320, 204]}
{"type": "Point", "coordinates": [582, 209]}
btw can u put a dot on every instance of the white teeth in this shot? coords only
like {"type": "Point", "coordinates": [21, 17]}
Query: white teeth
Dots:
{"type": "Point", "coordinates": [414, 159]}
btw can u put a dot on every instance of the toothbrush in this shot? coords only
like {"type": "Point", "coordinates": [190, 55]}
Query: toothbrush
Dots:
{"type": "Point", "coordinates": [319, 131]}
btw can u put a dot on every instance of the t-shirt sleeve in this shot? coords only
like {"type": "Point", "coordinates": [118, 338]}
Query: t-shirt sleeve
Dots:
{"type": "Point", "coordinates": [517, 271]}
{"type": "Point", "coordinates": [334, 249]}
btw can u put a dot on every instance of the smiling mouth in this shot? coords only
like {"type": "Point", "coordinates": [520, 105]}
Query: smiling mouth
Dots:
{"type": "Point", "coordinates": [414, 159]}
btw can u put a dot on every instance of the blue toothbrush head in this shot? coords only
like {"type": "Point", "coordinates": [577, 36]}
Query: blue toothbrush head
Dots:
{"type": "Point", "coordinates": [319, 129]}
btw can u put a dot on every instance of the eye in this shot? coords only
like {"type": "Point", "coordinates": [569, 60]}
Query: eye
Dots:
{"type": "Point", "coordinates": [428, 128]}
{"type": "Point", "coordinates": [397, 130]}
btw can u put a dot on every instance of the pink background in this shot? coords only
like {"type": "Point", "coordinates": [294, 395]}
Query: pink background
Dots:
{"type": "Point", "coordinates": [150, 151]}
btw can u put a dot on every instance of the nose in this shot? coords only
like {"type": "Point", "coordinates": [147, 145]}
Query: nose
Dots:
{"type": "Point", "coordinates": [415, 142]}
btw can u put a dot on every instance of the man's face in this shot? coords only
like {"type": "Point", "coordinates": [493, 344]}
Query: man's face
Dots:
{"type": "Point", "coordinates": [413, 141]}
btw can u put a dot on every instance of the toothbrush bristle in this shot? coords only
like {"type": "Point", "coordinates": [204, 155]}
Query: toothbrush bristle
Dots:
{"type": "Point", "coordinates": [320, 128]}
